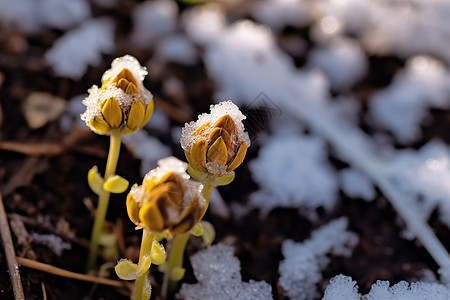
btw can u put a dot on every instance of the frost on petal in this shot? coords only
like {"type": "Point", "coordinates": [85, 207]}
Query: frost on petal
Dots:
{"type": "Point", "coordinates": [188, 138]}
{"type": "Point", "coordinates": [301, 269]}
{"type": "Point", "coordinates": [219, 278]}
{"type": "Point", "coordinates": [139, 72]}
{"type": "Point", "coordinates": [292, 170]}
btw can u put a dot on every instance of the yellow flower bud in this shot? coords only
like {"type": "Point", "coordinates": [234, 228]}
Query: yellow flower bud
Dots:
{"type": "Point", "coordinates": [122, 103]}
{"type": "Point", "coordinates": [167, 200]}
{"type": "Point", "coordinates": [220, 148]}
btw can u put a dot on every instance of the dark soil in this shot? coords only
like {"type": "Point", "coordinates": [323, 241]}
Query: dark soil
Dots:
{"type": "Point", "coordinates": [47, 191]}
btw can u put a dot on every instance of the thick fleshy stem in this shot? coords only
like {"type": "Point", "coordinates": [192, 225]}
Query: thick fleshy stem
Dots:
{"type": "Point", "coordinates": [103, 200]}
{"type": "Point", "coordinates": [146, 249]}
{"type": "Point", "coordinates": [176, 251]}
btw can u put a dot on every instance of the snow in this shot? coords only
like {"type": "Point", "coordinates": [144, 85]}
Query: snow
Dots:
{"type": "Point", "coordinates": [54, 242]}
{"type": "Point", "coordinates": [81, 47]}
{"type": "Point", "coordinates": [219, 278]}
{"type": "Point", "coordinates": [152, 20]}
{"type": "Point", "coordinates": [385, 27]}
{"type": "Point", "coordinates": [30, 16]}
{"type": "Point", "coordinates": [356, 185]}
{"type": "Point", "coordinates": [343, 287]}
{"type": "Point", "coordinates": [240, 56]}
{"type": "Point", "coordinates": [301, 268]}
{"type": "Point", "coordinates": [292, 170]}
{"type": "Point", "coordinates": [146, 148]}
{"type": "Point", "coordinates": [423, 176]}
{"type": "Point", "coordinates": [203, 23]}
{"type": "Point", "coordinates": [176, 48]}
{"type": "Point", "coordinates": [343, 61]}
{"type": "Point", "coordinates": [402, 106]}
{"type": "Point", "coordinates": [209, 119]}
{"type": "Point", "coordinates": [279, 13]}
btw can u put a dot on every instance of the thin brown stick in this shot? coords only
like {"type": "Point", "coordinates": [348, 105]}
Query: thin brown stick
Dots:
{"type": "Point", "coordinates": [10, 254]}
{"type": "Point", "coordinates": [29, 263]}
{"type": "Point", "coordinates": [44, 292]}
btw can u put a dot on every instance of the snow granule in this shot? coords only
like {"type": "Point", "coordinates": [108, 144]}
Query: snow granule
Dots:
{"type": "Point", "coordinates": [30, 16]}
{"type": "Point", "coordinates": [402, 106]}
{"type": "Point", "coordinates": [217, 111]}
{"type": "Point", "coordinates": [356, 185]}
{"type": "Point", "coordinates": [342, 60]}
{"type": "Point", "coordinates": [146, 148]}
{"type": "Point", "coordinates": [301, 269]}
{"type": "Point", "coordinates": [152, 20]}
{"type": "Point", "coordinates": [54, 242]}
{"type": "Point", "coordinates": [71, 55]}
{"type": "Point", "coordinates": [292, 170]}
{"type": "Point", "coordinates": [219, 278]}
{"type": "Point", "coordinates": [343, 288]}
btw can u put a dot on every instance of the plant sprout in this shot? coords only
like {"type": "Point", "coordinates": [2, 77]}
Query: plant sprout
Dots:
{"type": "Point", "coordinates": [166, 203]}
{"type": "Point", "coordinates": [121, 105]}
{"type": "Point", "coordinates": [214, 146]}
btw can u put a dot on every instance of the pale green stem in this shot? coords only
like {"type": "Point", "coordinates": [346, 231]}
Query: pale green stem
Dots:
{"type": "Point", "coordinates": [103, 200]}
{"type": "Point", "coordinates": [176, 251]}
{"type": "Point", "coordinates": [146, 249]}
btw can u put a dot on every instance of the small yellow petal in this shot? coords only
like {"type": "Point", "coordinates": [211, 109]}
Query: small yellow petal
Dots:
{"type": "Point", "coordinates": [218, 152]}
{"type": "Point", "coordinates": [112, 113]}
{"type": "Point", "coordinates": [131, 89]}
{"type": "Point", "coordinates": [132, 209]}
{"type": "Point", "coordinates": [144, 265]}
{"type": "Point", "coordinates": [126, 270]}
{"type": "Point", "coordinates": [99, 125]}
{"type": "Point", "coordinates": [122, 84]}
{"type": "Point", "coordinates": [198, 155]}
{"type": "Point", "coordinates": [95, 180]}
{"type": "Point", "coordinates": [226, 122]}
{"type": "Point", "coordinates": [148, 112]}
{"type": "Point", "coordinates": [158, 253]}
{"type": "Point", "coordinates": [238, 158]}
{"type": "Point", "coordinates": [136, 115]}
{"type": "Point", "coordinates": [151, 217]}
{"type": "Point", "coordinates": [209, 233]}
{"type": "Point", "coordinates": [124, 74]}
{"type": "Point", "coordinates": [115, 184]}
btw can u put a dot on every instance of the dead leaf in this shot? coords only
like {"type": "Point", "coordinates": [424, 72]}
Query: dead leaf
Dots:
{"type": "Point", "coordinates": [40, 108]}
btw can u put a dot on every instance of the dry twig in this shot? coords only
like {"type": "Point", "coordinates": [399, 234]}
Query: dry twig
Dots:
{"type": "Point", "coordinates": [8, 246]}
{"type": "Point", "coordinates": [64, 273]}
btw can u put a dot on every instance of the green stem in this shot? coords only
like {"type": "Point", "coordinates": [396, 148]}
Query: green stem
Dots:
{"type": "Point", "coordinates": [146, 248]}
{"type": "Point", "coordinates": [176, 252]}
{"type": "Point", "coordinates": [103, 200]}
